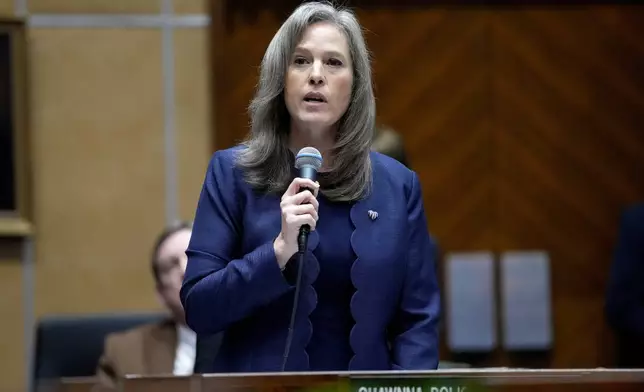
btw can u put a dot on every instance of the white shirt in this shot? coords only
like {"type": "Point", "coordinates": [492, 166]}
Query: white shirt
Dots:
{"type": "Point", "coordinates": [184, 359]}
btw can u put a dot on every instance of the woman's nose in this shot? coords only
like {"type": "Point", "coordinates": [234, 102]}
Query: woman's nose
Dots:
{"type": "Point", "coordinates": [316, 76]}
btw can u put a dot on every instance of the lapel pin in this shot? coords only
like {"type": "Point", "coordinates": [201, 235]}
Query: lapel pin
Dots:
{"type": "Point", "coordinates": [373, 215]}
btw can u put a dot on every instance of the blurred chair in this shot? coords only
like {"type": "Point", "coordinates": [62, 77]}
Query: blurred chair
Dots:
{"type": "Point", "coordinates": [71, 345]}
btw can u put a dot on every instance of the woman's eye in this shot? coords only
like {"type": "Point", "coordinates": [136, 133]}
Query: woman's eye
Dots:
{"type": "Point", "coordinates": [299, 60]}
{"type": "Point", "coordinates": [335, 62]}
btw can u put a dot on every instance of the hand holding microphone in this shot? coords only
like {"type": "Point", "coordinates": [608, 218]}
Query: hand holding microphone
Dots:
{"type": "Point", "coordinates": [299, 206]}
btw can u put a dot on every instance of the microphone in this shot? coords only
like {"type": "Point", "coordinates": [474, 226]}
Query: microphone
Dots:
{"type": "Point", "coordinates": [308, 161]}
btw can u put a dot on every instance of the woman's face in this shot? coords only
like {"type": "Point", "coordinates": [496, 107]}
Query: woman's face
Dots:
{"type": "Point", "coordinates": [319, 79]}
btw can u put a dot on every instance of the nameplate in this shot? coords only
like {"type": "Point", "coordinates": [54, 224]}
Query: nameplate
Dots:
{"type": "Point", "coordinates": [413, 385]}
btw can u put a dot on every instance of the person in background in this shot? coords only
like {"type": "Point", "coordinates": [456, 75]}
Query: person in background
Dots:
{"type": "Point", "coordinates": [625, 294]}
{"type": "Point", "coordinates": [369, 297]}
{"type": "Point", "coordinates": [390, 143]}
{"type": "Point", "coordinates": [166, 347]}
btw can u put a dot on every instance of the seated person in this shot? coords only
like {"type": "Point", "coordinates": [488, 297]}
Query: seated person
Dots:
{"type": "Point", "coordinates": [389, 142]}
{"type": "Point", "coordinates": [167, 347]}
{"type": "Point", "coordinates": [625, 297]}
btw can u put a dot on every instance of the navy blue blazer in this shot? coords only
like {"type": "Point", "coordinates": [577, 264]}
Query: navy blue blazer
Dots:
{"type": "Point", "coordinates": [234, 284]}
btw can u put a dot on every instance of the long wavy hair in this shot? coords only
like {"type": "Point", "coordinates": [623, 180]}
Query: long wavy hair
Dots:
{"type": "Point", "coordinates": [267, 161]}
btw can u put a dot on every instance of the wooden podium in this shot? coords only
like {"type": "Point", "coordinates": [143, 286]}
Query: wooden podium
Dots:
{"type": "Point", "coordinates": [462, 380]}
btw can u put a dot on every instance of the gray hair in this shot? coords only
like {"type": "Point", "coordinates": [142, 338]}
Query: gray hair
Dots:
{"type": "Point", "coordinates": [267, 161]}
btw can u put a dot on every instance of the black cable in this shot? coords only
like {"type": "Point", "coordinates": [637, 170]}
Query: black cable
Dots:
{"type": "Point", "coordinates": [296, 300]}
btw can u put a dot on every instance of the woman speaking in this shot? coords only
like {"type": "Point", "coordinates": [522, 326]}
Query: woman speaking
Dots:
{"type": "Point", "coordinates": [368, 297]}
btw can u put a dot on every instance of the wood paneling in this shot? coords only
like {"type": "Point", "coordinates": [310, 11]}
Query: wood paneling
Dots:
{"type": "Point", "coordinates": [12, 354]}
{"type": "Point", "coordinates": [237, 56]}
{"type": "Point", "coordinates": [7, 8]}
{"type": "Point", "coordinates": [190, 6]}
{"type": "Point", "coordinates": [570, 147]}
{"type": "Point", "coordinates": [97, 121]}
{"type": "Point", "coordinates": [95, 6]}
{"type": "Point", "coordinates": [524, 124]}
{"type": "Point", "coordinates": [193, 115]}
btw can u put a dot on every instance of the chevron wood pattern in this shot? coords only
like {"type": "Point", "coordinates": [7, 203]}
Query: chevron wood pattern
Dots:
{"type": "Point", "coordinates": [524, 124]}
{"type": "Point", "coordinates": [570, 147]}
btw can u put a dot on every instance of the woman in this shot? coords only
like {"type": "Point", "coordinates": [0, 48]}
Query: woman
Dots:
{"type": "Point", "coordinates": [369, 298]}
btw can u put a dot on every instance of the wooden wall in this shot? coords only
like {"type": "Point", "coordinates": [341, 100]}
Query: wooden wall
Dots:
{"type": "Point", "coordinates": [524, 124]}
{"type": "Point", "coordinates": [96, 110]}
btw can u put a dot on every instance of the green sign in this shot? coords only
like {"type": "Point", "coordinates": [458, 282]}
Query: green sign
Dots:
{"type": "Point", "coordinates": [412, 385]}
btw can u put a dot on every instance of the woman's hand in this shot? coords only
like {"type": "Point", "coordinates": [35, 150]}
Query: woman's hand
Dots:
{"type": "Point", "coordinates": [298, 209]}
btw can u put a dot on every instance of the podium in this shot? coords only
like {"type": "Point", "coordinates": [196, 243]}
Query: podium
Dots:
{"type": "Point", "coordinates": [462, 380]}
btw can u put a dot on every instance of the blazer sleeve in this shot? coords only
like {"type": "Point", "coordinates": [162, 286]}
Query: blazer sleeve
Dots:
{"type": "Point", "coordinates": [220, 288]}
{"type": "Point", "coordinates": [106, 373]}
{"type": "Point", "coordinates": [415, 329]}
{"type": "Point", "coordinates": [625, 297]}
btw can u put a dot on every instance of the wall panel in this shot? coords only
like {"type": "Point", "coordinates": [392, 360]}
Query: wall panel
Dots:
{"type": "Point", "coordinates": [190, 6]}
{"type": "Point", "coordinates": [95, 6]}
{"type": "Point", "coordinates": [568, 102]}
{"type": "Point", "coordinates": [12, 355]}
{"type": "Point", "coordinates": [7, 7]}
{"type": "Point", "coordinates": [193, 122]}
{"type": "Point", "coordinates": [100, 159]}
{"type": "Point", "coordinates": [99, 164]}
